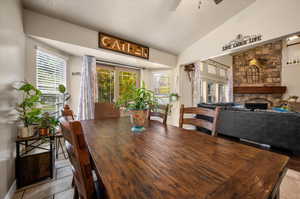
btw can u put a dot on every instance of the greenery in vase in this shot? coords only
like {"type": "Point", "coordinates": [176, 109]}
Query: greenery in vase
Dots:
{"type": "Point", "coordinates": [175, 95]}
{"type": "Point", "coordinates": [28, 109]}
{"type": "Point", "coordinates": [48, 122]}
{"type": "Point", "coordinates": [65, 96]}
{"type": "Point", "coordinates": [134, 98]}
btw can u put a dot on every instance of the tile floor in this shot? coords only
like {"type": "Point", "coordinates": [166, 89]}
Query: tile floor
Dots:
{"type": "Point", "coordinates": [60, 186]}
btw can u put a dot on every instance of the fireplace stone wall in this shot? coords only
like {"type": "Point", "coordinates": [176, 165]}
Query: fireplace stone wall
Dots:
{"type": "Point", "coordinates": [268, 72]}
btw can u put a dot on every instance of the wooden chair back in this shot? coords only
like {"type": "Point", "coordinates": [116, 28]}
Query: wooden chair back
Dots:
{"type": "Point", "coordinates": [106, 110]}
{"type": "Point", "coordinates": [79, 158]}
{"type": "Point", "coordinates": [160, 111]}
{"type": "Point", "coordinates": [67, 113]}
{"type": "Point", "coordinates": [200, 122]}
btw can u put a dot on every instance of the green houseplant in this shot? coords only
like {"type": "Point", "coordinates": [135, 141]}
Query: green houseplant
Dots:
{"type": "Point", "coordinates": [28, 110]}
{"type": "Point", "coordinates": [64, 94]}
{"type": "Point", "coordinates": [63, 98]}
{"type": "Point", "coordinates": [47, 124]}
{"type": "Point", "coordinates": [137, 101]}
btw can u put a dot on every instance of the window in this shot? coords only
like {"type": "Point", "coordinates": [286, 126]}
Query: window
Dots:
{"type": "Point", "coordinates": [222, 93]}
{"type": "Point", "coordinates": [211, 92]}
{"type": "Point", "coordinates": [222, 73]}
{"type": "Point", "coordinates": [126, 78]}
{"type": "Point", "coordinates": [161, 86]}
{"type": "Point", "coordinates": [211, 69]}
{"type": "Point", "coordinates": [50, 72]}
{"type": "Point", "coordinates": [112, 82]}
{"type": "Point", "coordinates": [106, 85]}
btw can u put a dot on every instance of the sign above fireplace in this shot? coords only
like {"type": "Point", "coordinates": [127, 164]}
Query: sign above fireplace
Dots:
{"type": "Point", "coordinates": [242, 40]}
{"type": "Point", "coordinates": [123, 46]}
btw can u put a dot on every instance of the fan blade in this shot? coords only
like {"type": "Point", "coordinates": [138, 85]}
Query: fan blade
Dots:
{"type": "Point", "coordinates": [174, 5]}
{"type": "Point", "coordinates": [218, 1]}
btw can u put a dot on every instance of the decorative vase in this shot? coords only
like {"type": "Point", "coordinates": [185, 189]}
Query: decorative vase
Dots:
{"type": "Point", "coordinates": [25, 132]}
{"type": "Point", "coordinates": [138, 119]}
{"type": "Point", "coordinates": [44, 131]}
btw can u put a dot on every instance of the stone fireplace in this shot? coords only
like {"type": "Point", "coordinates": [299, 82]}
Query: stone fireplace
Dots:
{"type": "Point", "coordinates": [257, 75]}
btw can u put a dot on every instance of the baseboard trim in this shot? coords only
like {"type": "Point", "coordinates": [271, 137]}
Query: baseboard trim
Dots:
{"type": "Point", "coordinates": [11, 191]}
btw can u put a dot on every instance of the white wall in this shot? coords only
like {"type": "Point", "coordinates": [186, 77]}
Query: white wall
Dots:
{"type": "Point", "coordinates": [75, 64]}
{"type": "Point", "coordinates": [42, 26]}
{"type": "Point", "coordinates": [146, 77]}
{"type": "Point", "coordinates": [290, 73]}
{"type": "Point", "coordinates": [271, 18]}
{"type": "Point", "coordinates": [11, 69]}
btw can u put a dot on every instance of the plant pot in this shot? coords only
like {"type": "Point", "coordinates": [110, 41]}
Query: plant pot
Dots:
{"type": "Point", "coordinates": [25, 132]}
{"type": "Point", "coordinates": [174, 98]}
{"type": "Point", "coordinates": [44, 131]}
{"type": "Point", "coordinates": [138, 119]}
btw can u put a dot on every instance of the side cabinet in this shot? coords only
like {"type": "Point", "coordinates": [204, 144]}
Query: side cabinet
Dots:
{"type": "Point", "coordinates": [34, 160]}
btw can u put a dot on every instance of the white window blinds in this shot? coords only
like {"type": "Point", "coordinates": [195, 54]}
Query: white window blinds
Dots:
{"type": "Point", "coordinates": [51, 72]}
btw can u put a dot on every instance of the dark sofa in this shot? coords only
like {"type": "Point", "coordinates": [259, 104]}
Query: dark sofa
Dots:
{"type": "Point", "coordinates": [280, 130]}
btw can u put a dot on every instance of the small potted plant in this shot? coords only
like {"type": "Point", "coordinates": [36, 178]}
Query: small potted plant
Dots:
{"type": "Point", "coordinates": [64, 97]}
{"type": "Point", "coordinates": [137, 101]}
{"type": "Point", "coordinates": [47, 124]}
{"type": "Point", "coordinates": [173, 97]}
{"type": "Point", "coordinates": [29, 112]}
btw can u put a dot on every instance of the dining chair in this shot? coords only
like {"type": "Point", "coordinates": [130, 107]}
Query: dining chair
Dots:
{"type": "Point", "coordinates": [106, 110]}
{"type": "Point", "coordinates": [160, 111]}
{"type": "Point", "coordinates": [200, 122]}
{"type": "Point", "coordinates": [68, 114]}
{"type": "Point", "coordinates": [84, 185]}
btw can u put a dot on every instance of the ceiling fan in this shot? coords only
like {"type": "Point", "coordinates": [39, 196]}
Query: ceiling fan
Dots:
{"type": "Point", "coordinates": [218, 1]}
{"type": "Point", "coordinates": [176, 3]}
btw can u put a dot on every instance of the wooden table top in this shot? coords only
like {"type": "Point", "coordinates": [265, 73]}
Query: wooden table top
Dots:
{"type": "Point", "coordinates": [166, 162]}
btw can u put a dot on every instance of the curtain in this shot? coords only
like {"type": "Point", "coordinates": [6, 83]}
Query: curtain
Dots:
{"type": "Point", "coordinates": [88, 89]}
{"type": "Point", "coordinates": [196, 87]}
{"type": "Point", "coordinates": [230, 84]}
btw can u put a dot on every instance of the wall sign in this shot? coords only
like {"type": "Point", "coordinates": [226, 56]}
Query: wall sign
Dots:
{"type": "Point", "coordinates": [120, 45]}
{"type": "Point", "coordinates": [241, 41]}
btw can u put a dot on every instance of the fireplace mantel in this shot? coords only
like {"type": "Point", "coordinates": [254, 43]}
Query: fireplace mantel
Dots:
{"type": "Point", "coordinates": [259, 90]}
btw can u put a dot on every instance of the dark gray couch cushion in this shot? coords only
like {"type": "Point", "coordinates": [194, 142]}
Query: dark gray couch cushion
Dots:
{"type": "Point", "coordinates": [281, 130]}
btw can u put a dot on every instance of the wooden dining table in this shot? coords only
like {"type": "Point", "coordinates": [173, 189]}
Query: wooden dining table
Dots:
{"type": "Point", "coordinates": [166, 162]}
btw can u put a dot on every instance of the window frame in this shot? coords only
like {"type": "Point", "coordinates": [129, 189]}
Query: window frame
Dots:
{"type": "Point", "coordinates": [117, 70]}
{"type": "Point", "coordinates": [159, 96]}
{"type": "Point", "coordinates": [65, 79]}
{"type": "Point", "coordinates": [215, 94]}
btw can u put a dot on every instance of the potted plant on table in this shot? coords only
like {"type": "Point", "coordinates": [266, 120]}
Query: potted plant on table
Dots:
{"type": "Point", "coordinates": [28, 109]}
{"type": "Point", "coordinates": [47, 124]}
{"type": "Point", "coordinates": [137, 101]}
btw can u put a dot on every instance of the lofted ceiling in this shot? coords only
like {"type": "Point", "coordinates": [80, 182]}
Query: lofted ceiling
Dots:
{"type": "Point", "coordinates": [169, 25]}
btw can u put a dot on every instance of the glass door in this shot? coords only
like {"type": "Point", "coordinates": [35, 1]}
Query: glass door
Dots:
{"type": "Point", "coordinates": [112, 82]}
